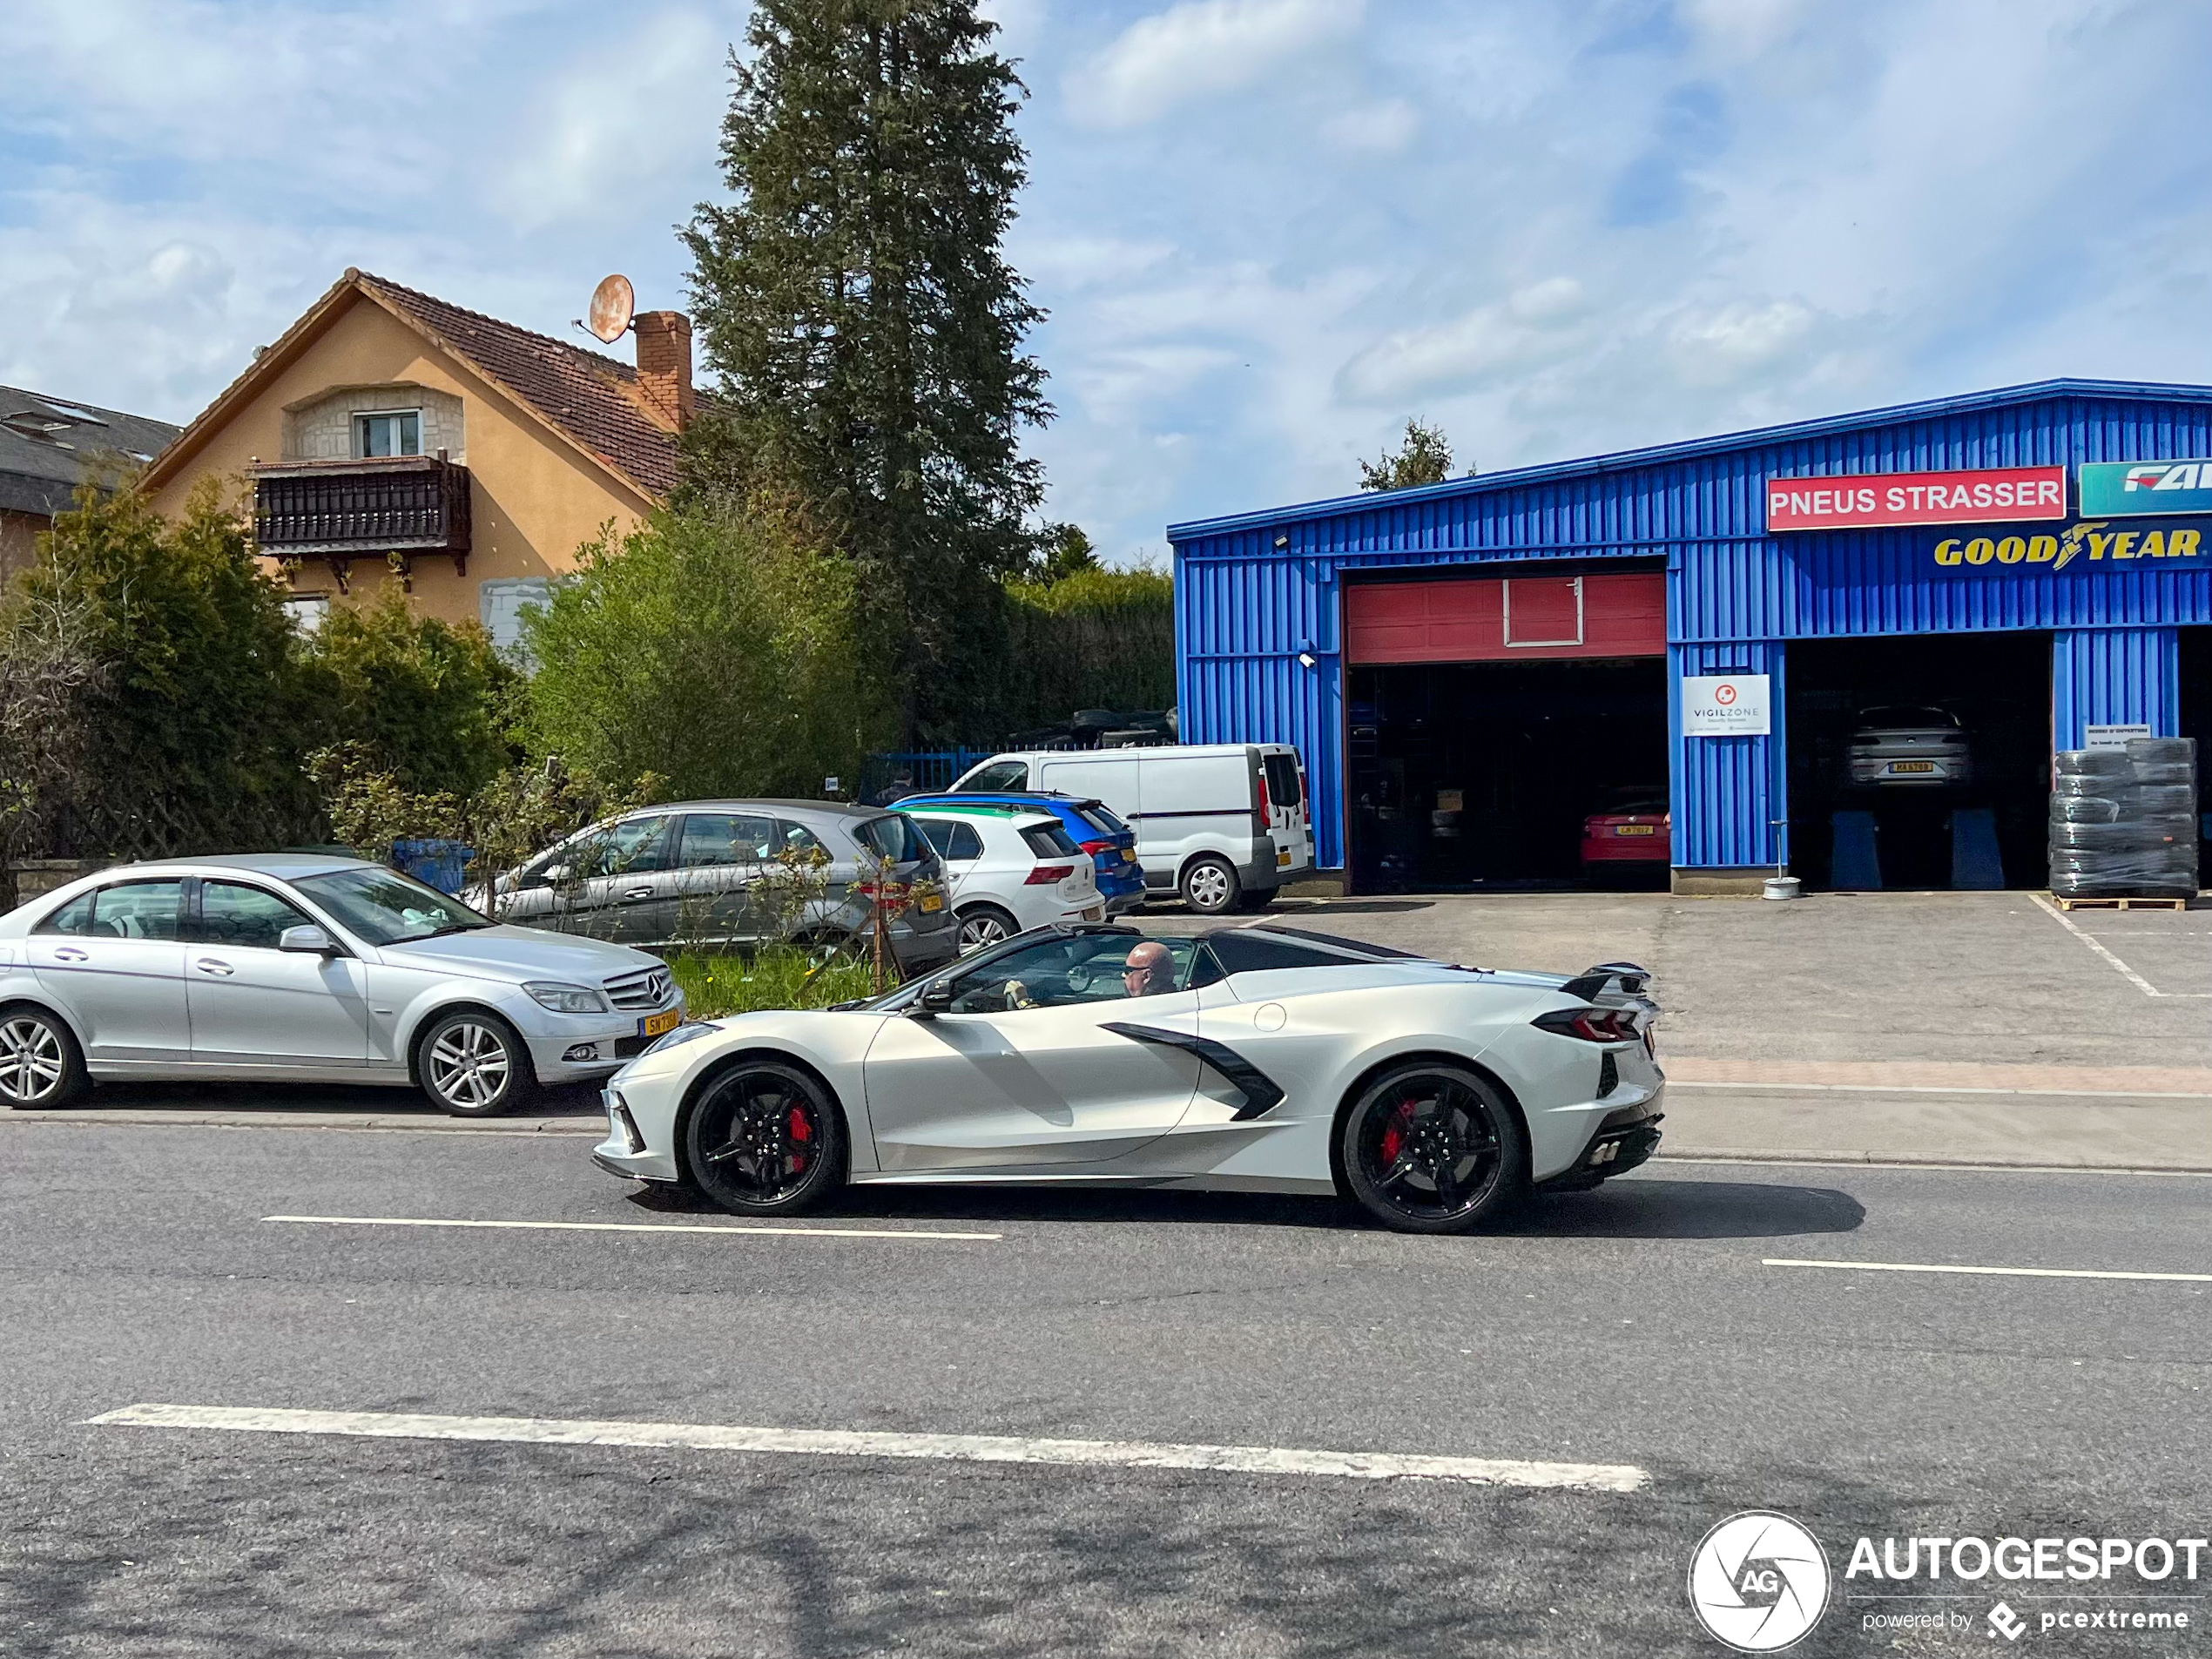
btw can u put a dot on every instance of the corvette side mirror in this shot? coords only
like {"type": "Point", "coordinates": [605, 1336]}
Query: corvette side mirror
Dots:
{"type": "Point", "coordinates": [934, 1000]}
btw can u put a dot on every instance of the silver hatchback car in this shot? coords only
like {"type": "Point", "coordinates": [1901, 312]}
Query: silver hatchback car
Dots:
{"type": "Point", "coordinates": [298, 967]}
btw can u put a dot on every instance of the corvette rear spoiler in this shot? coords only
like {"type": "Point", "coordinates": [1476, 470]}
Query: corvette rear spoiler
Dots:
{"type": "Point", "coordinates": [1625, 979]}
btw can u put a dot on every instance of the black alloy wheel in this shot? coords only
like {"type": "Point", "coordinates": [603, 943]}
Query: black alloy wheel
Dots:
{"type": "Point", "coordinates": [764, 1140]}
{"type": "Point", "coordinates": [1431, 1148]}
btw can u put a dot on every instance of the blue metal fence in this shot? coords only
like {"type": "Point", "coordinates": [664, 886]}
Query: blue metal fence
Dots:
{"type": "Point", "coordinates": [929, 769]}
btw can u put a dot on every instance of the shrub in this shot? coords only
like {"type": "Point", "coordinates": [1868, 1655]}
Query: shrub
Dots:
{"type": "Point", "coordinates": [1094, 638]}
{"type": "Point", "coordinates": [713, 647]}
{"type": "Point", "coordinates": [722, 983]}
{"type": "Point", "coordinates": [426, 699]}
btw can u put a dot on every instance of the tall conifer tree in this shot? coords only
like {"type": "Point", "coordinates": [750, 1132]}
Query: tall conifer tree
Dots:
{"type": "Point", "coordinates": [855, 298]}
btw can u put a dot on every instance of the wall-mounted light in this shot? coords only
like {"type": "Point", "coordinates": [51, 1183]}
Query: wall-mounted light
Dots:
{"type": "Point", "coordinates": [1282, 538]}
{"type": "Point", "coordinates": [1305, 659]}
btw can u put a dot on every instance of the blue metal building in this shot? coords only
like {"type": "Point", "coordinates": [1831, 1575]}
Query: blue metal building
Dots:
{"type": "Point", "coordinates": [1272, 644]}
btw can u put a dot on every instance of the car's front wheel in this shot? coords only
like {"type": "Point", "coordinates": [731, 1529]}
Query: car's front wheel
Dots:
{"type": "Point", "coordinates": [1431, 1148]}
{"type": "Point", "coordinates": [40, 1063]}
{"type": "Point", "coordinates": [474, 1064]}
{"type": "Point", "coordinates": [764, 1140]}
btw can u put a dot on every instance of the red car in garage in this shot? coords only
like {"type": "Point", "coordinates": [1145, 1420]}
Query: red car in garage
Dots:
{"type": "Point", "coordinates": [1632, 832]}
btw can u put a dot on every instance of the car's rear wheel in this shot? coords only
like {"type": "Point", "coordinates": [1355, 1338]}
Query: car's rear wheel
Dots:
{"type": "Point", "coordinates": [1431, 1148]}
{"type": "Point", "coordinates": [1210, 887]}
{"type": "Point", "coordinates": [474, 1064]}
{"type": "Point", "coordinates": [764, 1140]}
{"type": "Point", "coordinates": [41, 1065]}
{"type": "Point", "coordinates": [985, 924]}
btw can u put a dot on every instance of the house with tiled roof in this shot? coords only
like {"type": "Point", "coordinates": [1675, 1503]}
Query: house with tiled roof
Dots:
{"type": "Point", "coordinates": [390, 436]}
{"type": "Point", "coordinates": [50, 445]}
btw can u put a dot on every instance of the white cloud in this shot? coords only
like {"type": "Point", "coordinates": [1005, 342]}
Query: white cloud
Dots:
{"type": "Point", "coordinates": [1375, 129]}
{"type": "Point", "coordinates": [618, 120]}
{"type": "Point", "coordinates": [1198, 47]}
{"type": "Point", "coordinates": [1531, 327]}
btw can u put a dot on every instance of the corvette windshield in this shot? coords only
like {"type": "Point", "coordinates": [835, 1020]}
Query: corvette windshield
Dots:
{"type": "Point", "coordinates": [386, 907]}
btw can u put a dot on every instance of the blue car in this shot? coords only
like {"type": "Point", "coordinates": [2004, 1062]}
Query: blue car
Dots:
{"type": "Point", "coordinates": [1091, 824]}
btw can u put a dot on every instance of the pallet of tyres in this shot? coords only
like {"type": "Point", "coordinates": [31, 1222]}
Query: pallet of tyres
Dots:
{"type": "Point", "coordinates": [2123, 822]}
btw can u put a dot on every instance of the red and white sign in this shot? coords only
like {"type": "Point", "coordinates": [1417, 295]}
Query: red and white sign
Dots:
{"type": "Point", "coordinates": [1876, 501]}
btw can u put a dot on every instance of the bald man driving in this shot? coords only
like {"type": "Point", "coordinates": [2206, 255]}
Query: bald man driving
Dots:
{"type": "Point", "coordinates": [1150, 971]}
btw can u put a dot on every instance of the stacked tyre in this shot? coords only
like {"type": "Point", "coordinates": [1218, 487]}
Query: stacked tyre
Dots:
{"type": "Point", "coordinates": [2123, 822]}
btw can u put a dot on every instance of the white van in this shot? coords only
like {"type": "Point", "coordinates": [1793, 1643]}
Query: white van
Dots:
{"type": "Point", "coordinates": [1223, 823]}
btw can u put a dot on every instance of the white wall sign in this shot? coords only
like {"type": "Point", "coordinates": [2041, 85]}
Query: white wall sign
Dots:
{"type": "Point", "coordinates": [1725, 705]}
{"type": "Point", "coordinates": [2111, 737]}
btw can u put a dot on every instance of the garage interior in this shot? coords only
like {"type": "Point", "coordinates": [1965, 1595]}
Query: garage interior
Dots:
{"type": "Point", "coordinates": [1998, 685]}
{"type": "Point", "coordinates": [1489, 718]}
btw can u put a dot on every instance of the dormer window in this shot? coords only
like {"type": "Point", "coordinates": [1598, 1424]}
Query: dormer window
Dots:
{"type": "Point", "coordinates": [388, 431]}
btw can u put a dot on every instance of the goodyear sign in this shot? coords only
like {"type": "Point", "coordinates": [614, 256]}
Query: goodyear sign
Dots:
{"type": "Point", "coordinates": [2091, 542]}
{"type": "Point", "coordinates": [2145, 488]}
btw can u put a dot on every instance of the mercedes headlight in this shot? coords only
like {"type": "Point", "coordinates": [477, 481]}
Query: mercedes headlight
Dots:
{"type": "Point", "coordinates": [566, 999]}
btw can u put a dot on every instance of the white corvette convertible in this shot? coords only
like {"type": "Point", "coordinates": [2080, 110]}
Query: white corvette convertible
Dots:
{"type": "Point", "coordinates": [1256, 1058]}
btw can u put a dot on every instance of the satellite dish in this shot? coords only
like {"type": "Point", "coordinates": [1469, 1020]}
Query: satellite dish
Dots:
{"type": "Point", "coordinates": [613, 303]}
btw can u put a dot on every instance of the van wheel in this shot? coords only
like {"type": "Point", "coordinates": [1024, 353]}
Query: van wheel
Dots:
{"type": "Point", "coordinates": [1210, 886]}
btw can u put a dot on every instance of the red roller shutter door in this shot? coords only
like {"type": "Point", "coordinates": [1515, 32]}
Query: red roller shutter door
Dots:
{"type": "Point", "coordinates": [1497, 619]}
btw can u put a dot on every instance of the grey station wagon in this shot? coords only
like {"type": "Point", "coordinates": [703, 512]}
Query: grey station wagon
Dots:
{"type": "Point", "coordinates": [716, 874]}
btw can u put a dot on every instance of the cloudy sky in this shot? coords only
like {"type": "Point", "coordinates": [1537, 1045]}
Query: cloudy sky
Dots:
{"type": "Point", "coordinates": [1267, 230]}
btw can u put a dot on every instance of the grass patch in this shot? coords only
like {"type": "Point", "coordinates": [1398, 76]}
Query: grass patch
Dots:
{"type": "Point", "coordinates": [776, 976]}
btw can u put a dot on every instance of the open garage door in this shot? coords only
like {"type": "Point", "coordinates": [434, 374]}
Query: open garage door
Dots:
{"type": "Point", "coordinates": [1921, 761]}
{"type": "Point", "coordinates": [1495, 723]}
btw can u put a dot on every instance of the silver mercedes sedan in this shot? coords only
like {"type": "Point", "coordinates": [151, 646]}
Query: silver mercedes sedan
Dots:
{"type": "Point", "coordinates": [298, 968]}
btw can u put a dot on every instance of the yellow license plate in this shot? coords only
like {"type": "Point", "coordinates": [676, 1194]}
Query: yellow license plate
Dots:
{"type": "Point", "coordinates": [1912, 766]}
{"type": "Point", "coordinates": [933, 902]}
{"type": "Point", "coordinates": [654, 1024]}
{"type": "Point", "coordinates": [1282, 857]}
{"type": "Point", "coordinates": [1635, 829]}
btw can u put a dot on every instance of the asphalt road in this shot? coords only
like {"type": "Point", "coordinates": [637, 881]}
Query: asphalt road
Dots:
{"type": "Point", "coordinates": [1638, 1325]}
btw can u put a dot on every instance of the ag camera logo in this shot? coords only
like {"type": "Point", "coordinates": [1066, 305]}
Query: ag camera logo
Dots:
{"type": "Point", "coordinates": [1758, 1581]}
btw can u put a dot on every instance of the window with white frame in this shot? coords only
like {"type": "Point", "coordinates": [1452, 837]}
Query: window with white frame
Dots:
{"type": "Point", "coordinates": [306, 610]}
{"type": "Point", "coordinates": [502, 602]}
{"type": "Point", "coordinates": [388, 431]}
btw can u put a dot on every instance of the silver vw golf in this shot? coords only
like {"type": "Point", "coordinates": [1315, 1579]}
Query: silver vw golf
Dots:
{"type": "Point", "coordinates": [298, 967]}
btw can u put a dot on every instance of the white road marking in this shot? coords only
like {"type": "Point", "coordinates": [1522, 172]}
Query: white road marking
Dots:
{"type": "Point", "coordinates": [966, 1448]}
{"type": "Point", "coordinates": [642, 1227]}
{"type": "Point", "coordinates": [1949, 1089]}
{"type": "Point", "coordinates": [1848, 1161]}
{"type": "Point", "coordinates": [2098, 946]}
{"type": "Point", "coordinates": [2002, 1272]}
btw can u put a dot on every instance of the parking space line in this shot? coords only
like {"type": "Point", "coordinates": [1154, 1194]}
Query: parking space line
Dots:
{"type": "Point", "coordinates": [2103, 950]}
{"type": "Point", "coordinates": [967, 1448]}
{"type": "Point", "coordinates": [647, 1227]}
{"type": "Point", "coordinates": [2003, 1272]}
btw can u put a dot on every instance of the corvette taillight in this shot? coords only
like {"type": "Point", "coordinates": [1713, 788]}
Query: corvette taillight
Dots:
{"type": "Point", "coordinates": [1591, 1025]}
{"type": "Point", "coordinates": [1045, 874]}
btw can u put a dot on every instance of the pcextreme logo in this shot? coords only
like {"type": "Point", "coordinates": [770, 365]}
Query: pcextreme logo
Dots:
{"type": "Point", "coordinates": [1758, 1581]}
{"type": "Point", "coordinates": [2095, 541]}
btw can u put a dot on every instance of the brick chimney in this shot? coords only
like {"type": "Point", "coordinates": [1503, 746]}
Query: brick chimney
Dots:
{"type": "Point", "coordinates": [664, 366]}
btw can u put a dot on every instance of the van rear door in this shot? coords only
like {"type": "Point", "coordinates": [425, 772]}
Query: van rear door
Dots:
{"type": "Point", "coordinates": [1289, 814]}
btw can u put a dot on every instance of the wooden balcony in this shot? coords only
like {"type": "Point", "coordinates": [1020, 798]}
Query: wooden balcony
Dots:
{"type": "Point", "coordinates": [337, 511]}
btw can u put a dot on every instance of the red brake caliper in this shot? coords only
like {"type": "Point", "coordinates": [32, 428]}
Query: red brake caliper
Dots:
{"type": "Point", "coordinates": [1394, 1136]}
{"type": "Point", "coordinates": [801, 1131]}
